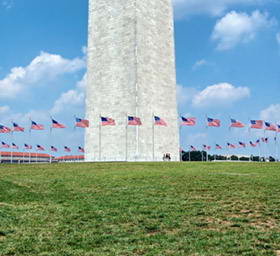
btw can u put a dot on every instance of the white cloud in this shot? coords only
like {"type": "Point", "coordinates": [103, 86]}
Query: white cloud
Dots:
{"type": "Point", "coordinates": [4, 109]}
{"type": "Point", "coordinates": [212, 7]}
{"type": "Point", "coordinates": [278, 38]}
{"type": "Point", "coordinates": [235, 28]}
{"type": "Point", "coordinates": [7, 4]}
{"type": "Point", "coordinates": [199, 64]}
{"type": "Point", "coordinates": [272, 113]}
{"type": "Point", "coordinates": [72, 98]}
{"type": "Point", "coordinates": [44, 67]}
{"type": "Point", "coordinates": [220, 94]}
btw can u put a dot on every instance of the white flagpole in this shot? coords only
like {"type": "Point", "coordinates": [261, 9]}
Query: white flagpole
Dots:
{"type": "Point", "coordinates": [100, 137]}
{"type": "Point", "coordinates": [126, 126]}
{"type": "Point", "coordinates": [153, 122]}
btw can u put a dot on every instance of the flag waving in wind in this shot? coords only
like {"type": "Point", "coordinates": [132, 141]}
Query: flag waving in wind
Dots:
{"type": "Point", "coordinates": [188, 121]}
{"type": "Point", "coordinates": [159, 121]}
{"type": "Point", "coordinates": [17, 128]}
{"type": "Point", "coordinates": [236, 124]}
{"type": "Point", "coordinates": [218, 147]}
{"type": "Point", "coordinates": [213, 122]}
{"type": "Point", "coordinates": [14, 146]}
{"type": "Point", "coordinates": [231, 145]}
{"type": "Point", "coordinates": [28, 147]}
{"type": "Point", "coordinates": [58, 125]}
{"type": "Point", "coordinates": [193, 148]}
{"type": "Point", "coordinates": [256, 124]}
{"type": "Point", "coordinates": [270, 127]}
{"type": "Point", "coordinates": [5, 145]}
{"type": "Point", "coordinates": [40, 148]}
{"type": "Point", "coordinates": [106, 121]}
{"type": "Point", "coordinates": [53, 149]}
{"type": "Point", "coordinates": [132, 120]}
{"type": "Point", "coordinates": [67, 149]}
{"type": "Point", "coordinates": [4, 129]}
{"type": "Point", "coordinates": [35, 126]}
{"type": "Point", "coordinates": [242, 144]}
{"type": "Point", "coordinates": [82, 123]}
{"type": "Point", "coordinates": [80, 149]}
{"type": "Point", "coordinates": [253, 144]}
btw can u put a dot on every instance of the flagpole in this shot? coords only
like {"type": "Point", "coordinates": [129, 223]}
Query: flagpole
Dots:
{"type": "Point", "coordinates": [100, 138]}
{"type": "Point", "coordinates": [126, 125]}
{"type": "Point", "coordinates": [11, 155]}
{"type": "Point", "coordinates": [153, 122]}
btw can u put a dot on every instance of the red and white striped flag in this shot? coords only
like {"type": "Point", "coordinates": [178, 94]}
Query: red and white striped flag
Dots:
{"type": "Point", "coordinates": [17, 128]}
{"type": "Point", "coordinates": [4, 129]}
{"type": "Point", "coordinates": [58, 125]}
{"type": "Point", "coordinates": [159, 121]}
{"type": "Point", "coordinates": [40, 148]}
{"type": "Point", "coordinates": [236, 124]}
{"type": "Point", "coordinates": [256, 124]}
{"type": "Point", "coordinates": [213, 122]}
{"type": "Point", "coordinates": [67, 149]}
{"type": "Point", "coordinates": [5, 145]}
{"type": "Point", "coordinates": [35, 126]}
{"type": "Point", "coordinates": [188, 121]}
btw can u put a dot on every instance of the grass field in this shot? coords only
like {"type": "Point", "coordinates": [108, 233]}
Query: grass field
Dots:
{"type": "Point", "coordinates": [140, 209]}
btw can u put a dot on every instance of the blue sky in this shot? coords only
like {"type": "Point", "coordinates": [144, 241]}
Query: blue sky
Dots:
{"type": "Point", "coordinates": [227, 58]}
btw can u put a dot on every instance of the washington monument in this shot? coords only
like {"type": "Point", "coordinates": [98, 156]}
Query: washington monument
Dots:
{"type": "Point", "coordinates": [131, 72]}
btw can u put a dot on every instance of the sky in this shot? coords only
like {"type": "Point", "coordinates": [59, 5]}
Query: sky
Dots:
{"type": "Point", "coordinates": [227, 60]}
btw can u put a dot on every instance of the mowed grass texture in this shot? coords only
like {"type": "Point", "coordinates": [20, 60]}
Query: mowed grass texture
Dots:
{"type": "Point", "coordinates": [140, 209]}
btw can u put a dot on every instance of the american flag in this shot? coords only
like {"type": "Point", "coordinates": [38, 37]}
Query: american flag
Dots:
{"type": "Point", "coordinates": [237, 124]}
{"type": "Point", "coordinates": [193, 148]}
{"type": "Point", "coordinates": [80, 149]}
{"type": "Point", "coordinates": [5, 145]}
{"type": "Point", "coordinates": [132, 120]}
{"type": "Point", "coordinates": [4, 129]}
{"type": "Point", "coordinates": [213, 122]}
{"type": "Point", "coordinates": [14, 146]}
{"type": "Point", "coordinates": [159, 121]}
{"type": "Point", "coordinates": [256, 124]}
{"type": "Point", "coordinates": [26, 146]}
{"type": "Point", "coordinates": [231, 145]}
{"type": "Point", "coordinates": [106, 121]}
{"type": "Point", "coordinates": [270, 127]}
{"type": "Point", "coordinates": [265, 140]}
{"type": "Point", "coordinates": [82, 123]}
{"type": "Point", "coordinates": [242, 144]}
{"type": "Point", "coordinates": [17, 128]}
{"type": "Point", "coordinates": [35, 126]}
{"type": "Point", "coordinates": [218, 146]}
{"type": "Point", "coordinates": [188, 121]}
{"type": "Point", "coordinates": [253, 144]}
{"type": "Point", "coordinates": [40, 148]}
{"type": "Point", "coordinates": [205, 147]}
{"type": "Point", "coordinates": [67, 149]}
{"type": "Point", "coordinates": [54, 149]}
{"type": "Point", "coordinates": [278, 127]}
{"type": "Point", "coordinates": [56, 124]}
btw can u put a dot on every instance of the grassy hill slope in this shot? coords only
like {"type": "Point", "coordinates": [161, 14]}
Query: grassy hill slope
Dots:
{"type": "Point", "coordinates": [140, 209]}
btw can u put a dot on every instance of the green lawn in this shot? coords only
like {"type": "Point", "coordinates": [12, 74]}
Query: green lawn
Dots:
{"type": "Point", "coordinates": [140, 209]}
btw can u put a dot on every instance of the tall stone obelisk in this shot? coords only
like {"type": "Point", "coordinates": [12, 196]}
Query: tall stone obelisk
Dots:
{"type": "Point", "coordinates": [131, 71]}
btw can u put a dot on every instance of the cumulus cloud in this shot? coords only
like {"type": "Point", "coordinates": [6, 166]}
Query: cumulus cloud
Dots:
{"type": "Point", "coordinates": [272, 113]}
{"type": "Point", "coordinates": [7, 4]}
{"type": "Point", "coordinates": [278, 38]}
{"type": "Point", "coordinates": [4, 109]}
{"type": "Point", "coordinates": [213, 7]}
{"type": "Point", "coordinates": [199, 64]}
{"type": "Point", "coordinates": [235, 28]}
{"type": "Point", "coordinates": [220, 94]}
{"type": "Point", "coordinates": [72, 98]}
{"type": "Point", "coordinates": [44, 67]}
